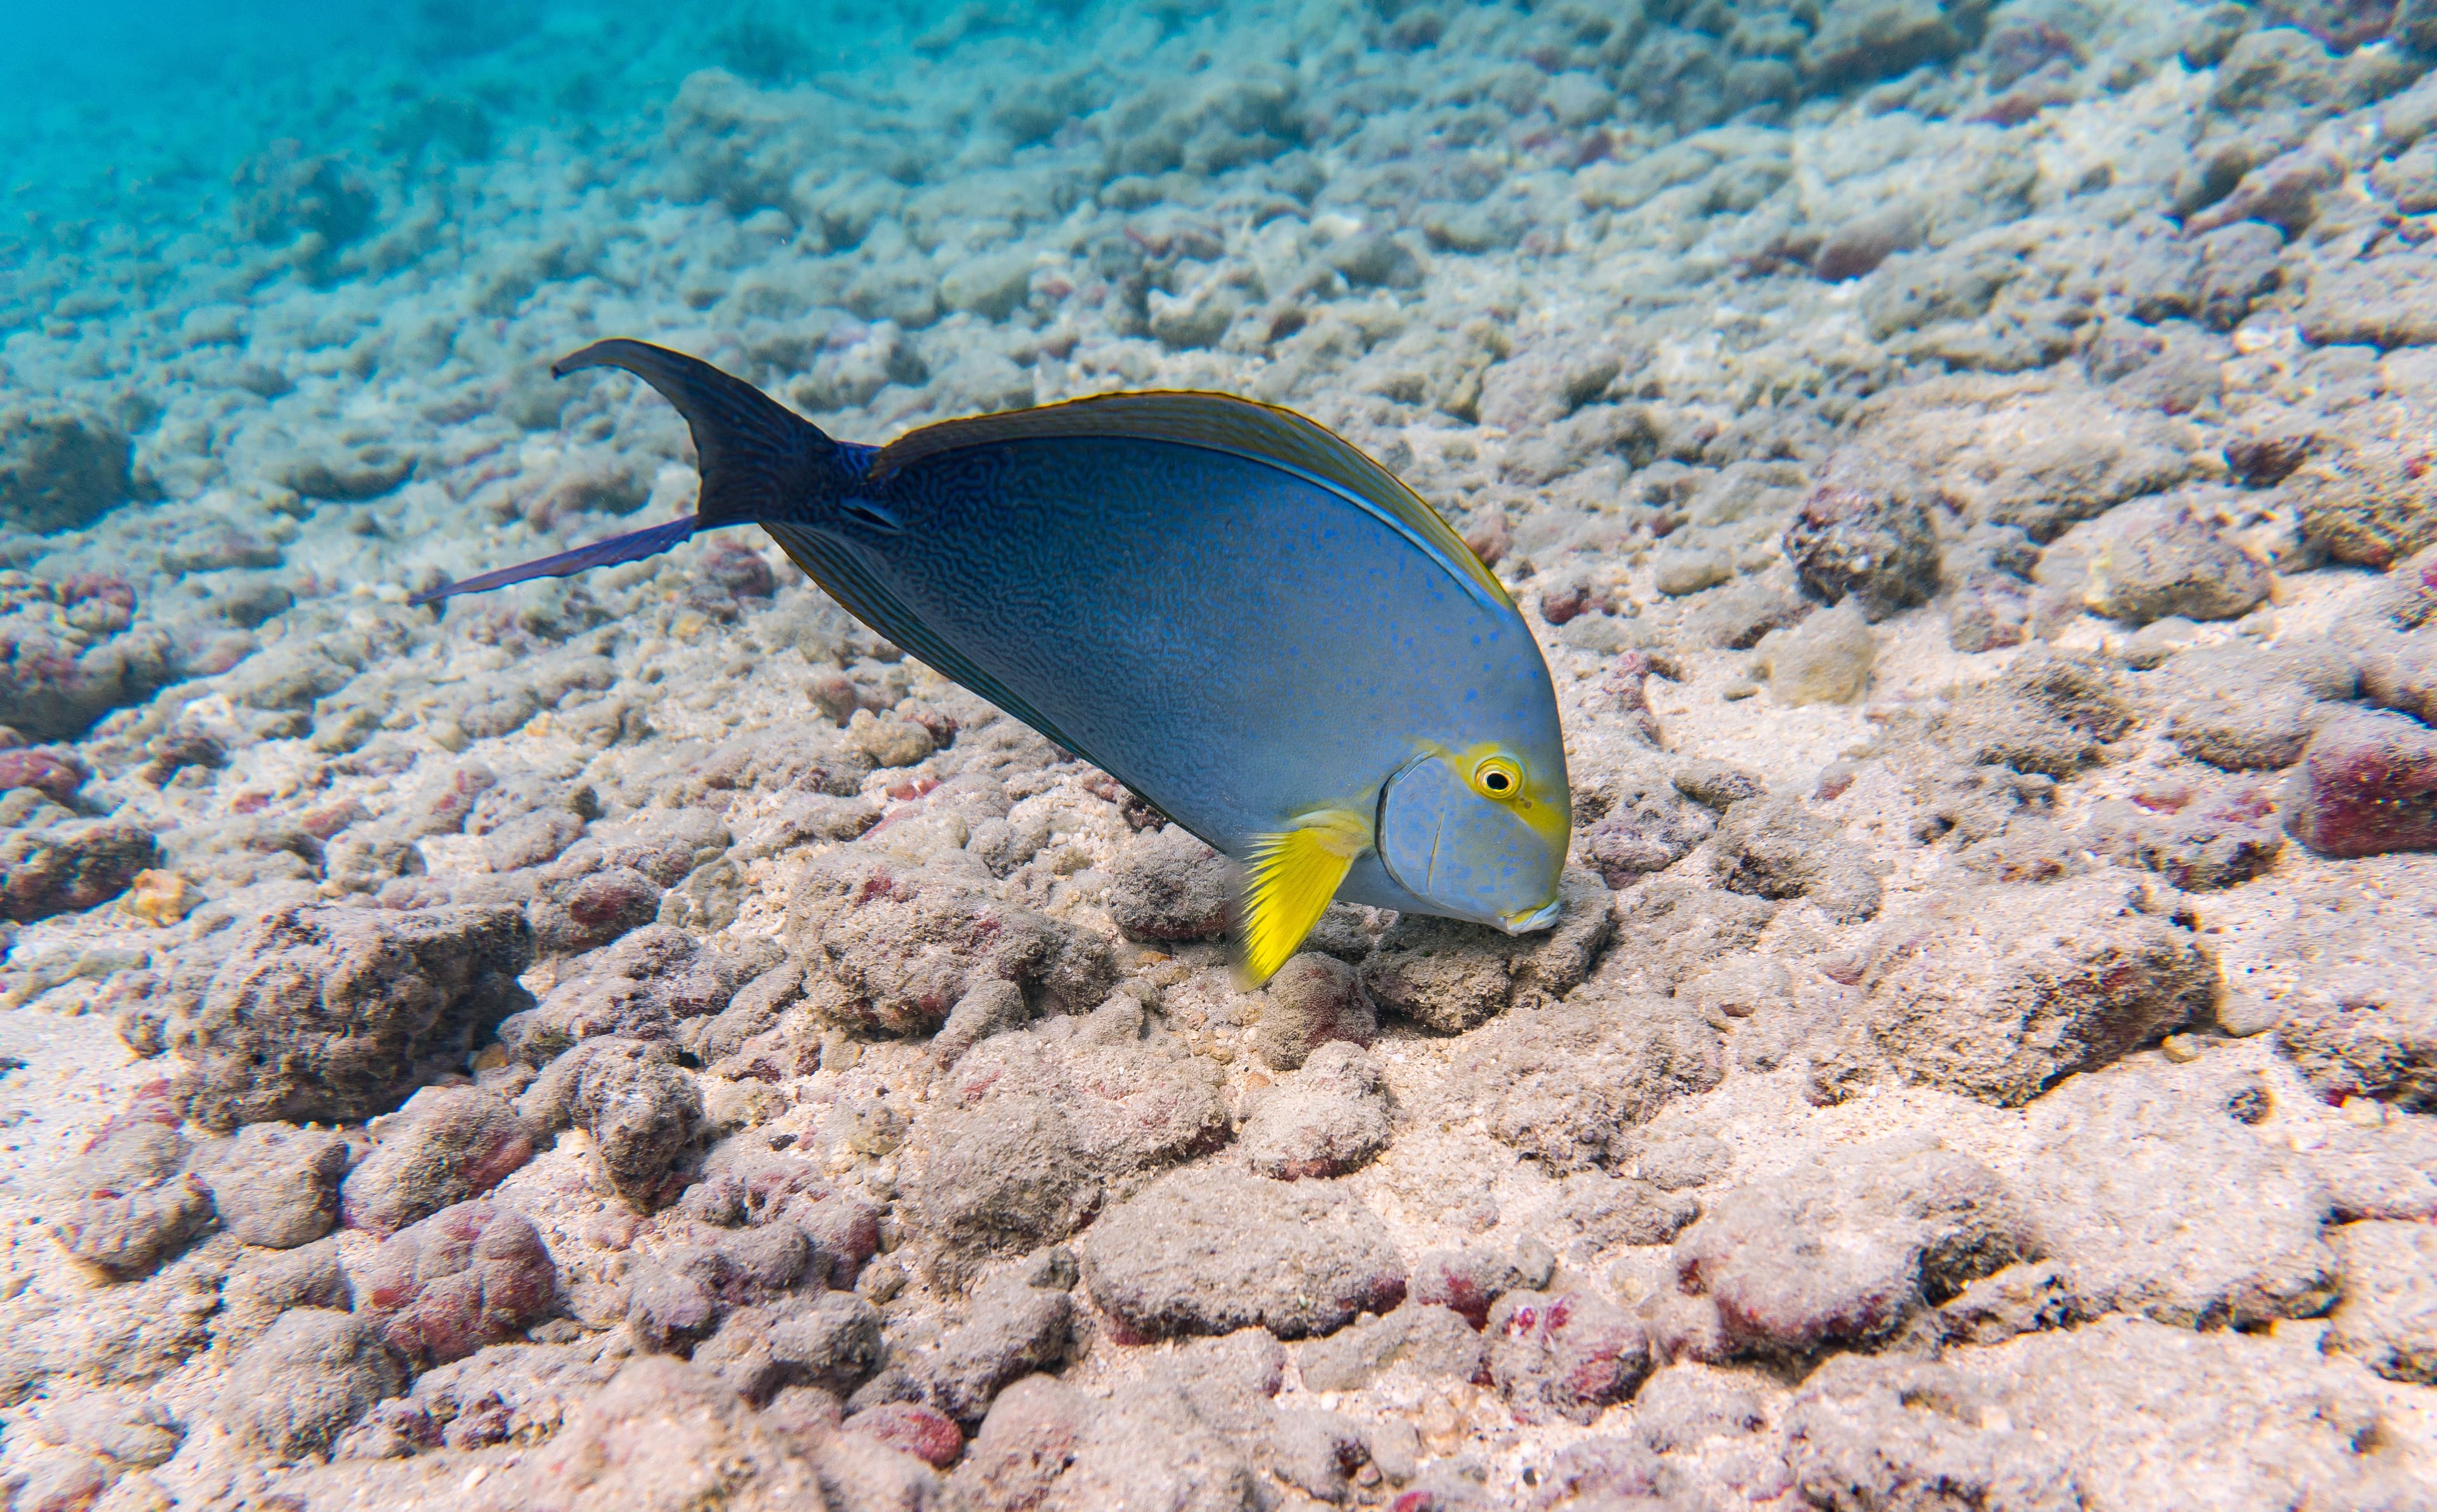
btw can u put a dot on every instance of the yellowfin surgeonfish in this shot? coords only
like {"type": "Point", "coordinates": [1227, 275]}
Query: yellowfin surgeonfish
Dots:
{"type": "Point", "coordinates": [1234, 612]}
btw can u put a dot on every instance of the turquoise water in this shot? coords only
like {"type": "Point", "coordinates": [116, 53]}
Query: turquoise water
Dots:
{"type": "Point", "coordinates": [128, 114]}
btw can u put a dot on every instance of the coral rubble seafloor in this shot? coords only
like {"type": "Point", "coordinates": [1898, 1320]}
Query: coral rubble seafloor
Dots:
{"type": "Point", "coordinates": [642, 1041]}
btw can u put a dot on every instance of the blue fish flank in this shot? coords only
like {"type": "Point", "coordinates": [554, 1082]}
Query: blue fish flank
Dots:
{"type": "Point", "coordinates": [1230, 610]}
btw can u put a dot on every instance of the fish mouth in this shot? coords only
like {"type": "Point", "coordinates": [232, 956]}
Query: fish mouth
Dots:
{"type": "Point", "coordinates": [1523, 921]}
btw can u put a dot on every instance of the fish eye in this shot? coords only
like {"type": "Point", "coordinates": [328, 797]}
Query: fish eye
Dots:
{"type": "Point", "coordinates": [1498, 777]}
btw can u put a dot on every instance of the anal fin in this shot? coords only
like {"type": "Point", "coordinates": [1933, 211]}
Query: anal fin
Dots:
{"type": "Point", "coordinates": [1292, 878]}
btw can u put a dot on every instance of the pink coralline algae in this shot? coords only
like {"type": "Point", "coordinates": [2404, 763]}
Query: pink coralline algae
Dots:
{"type": "Point", "coordinates": [465, 1277]}
{"type": "Point", "coordinates": [2367, 783]}
{"type": "Point", "coordinates": [1466, 1282]}
{"type": "Point", "coordinates": [1565, 1356]}
{"type": "Point", "coordinates": [916, 1430]}
{"type": "Point", "coordinates": [56, 774]}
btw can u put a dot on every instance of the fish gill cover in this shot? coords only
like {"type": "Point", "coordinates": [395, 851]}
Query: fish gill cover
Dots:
{"type": "Point", "coordinates": [641, 1039]}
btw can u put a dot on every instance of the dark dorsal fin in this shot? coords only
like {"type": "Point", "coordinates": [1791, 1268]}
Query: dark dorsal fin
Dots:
{"type": "Point", "coordinates": [1221, 423]}
{"type": "Point", "coordinates": [835, 570]}
{"type": "Point", "coordinates": [757, 458]}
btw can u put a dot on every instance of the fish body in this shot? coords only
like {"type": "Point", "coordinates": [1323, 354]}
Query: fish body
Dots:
{"type": "Point", "coordinates": [1232, 612]}
{"type": "Point", "coordinates": [1276, 646]}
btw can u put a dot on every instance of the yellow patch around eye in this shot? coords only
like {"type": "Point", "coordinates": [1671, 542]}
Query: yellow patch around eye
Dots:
{"type": "Point", "coordinates": [1498, 777]}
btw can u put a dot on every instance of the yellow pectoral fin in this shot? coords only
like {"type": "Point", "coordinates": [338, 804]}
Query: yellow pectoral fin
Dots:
{"type": "Point", "coordinates": [1292, 876]}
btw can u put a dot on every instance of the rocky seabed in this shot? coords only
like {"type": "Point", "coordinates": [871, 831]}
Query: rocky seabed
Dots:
{"type": "Point", "coordinates": [642, 1041]}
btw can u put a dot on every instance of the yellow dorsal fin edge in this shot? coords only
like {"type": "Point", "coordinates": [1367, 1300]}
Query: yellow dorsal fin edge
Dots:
{"type": "Point", "coordinates": [1292, 876]}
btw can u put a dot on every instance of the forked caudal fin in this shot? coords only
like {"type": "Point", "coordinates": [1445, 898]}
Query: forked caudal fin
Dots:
{"type": "Point", "coordinates": [1292, 878]}
{"type": "Point", "coordinates": [758, 461]}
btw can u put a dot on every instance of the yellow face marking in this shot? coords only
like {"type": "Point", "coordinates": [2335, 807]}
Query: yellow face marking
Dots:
{"type": "Point", "coordinates": [1498, 777]}
{"type": "Point", "coordinates": [1482, 765]}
